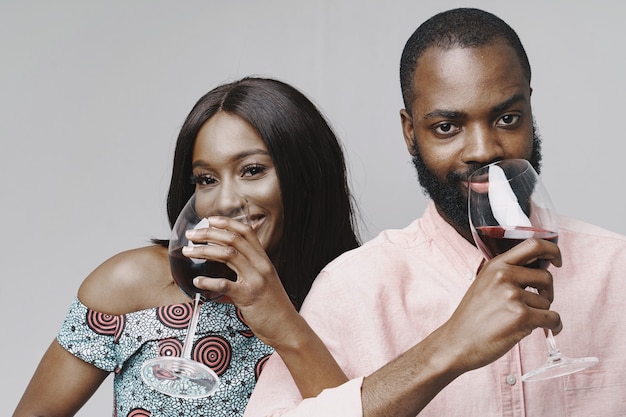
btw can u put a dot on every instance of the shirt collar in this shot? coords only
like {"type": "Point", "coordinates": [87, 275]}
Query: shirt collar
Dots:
{"type": "Point", "coordinates": [463, 255]}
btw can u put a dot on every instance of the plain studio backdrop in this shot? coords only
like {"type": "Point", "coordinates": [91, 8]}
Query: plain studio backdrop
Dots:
{"type": "Point", "coordinates": [92, 95]}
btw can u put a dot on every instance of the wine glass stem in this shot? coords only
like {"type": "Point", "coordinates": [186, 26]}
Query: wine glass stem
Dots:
{"type": "Point", "coordinates": [552, 349]}
{"type": "Point", "coordinates": [191, 330]}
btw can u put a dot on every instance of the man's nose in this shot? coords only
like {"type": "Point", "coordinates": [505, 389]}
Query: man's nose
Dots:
{"type": "Point", "coordinates": [482, 145]}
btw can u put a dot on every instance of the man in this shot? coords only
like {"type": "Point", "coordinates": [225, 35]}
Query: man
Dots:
{"type": "Point", "coordinates": [418, 321]}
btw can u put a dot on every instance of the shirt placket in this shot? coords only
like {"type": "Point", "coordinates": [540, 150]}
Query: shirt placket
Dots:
{"type": "Point", "coordinates": [510, 384]}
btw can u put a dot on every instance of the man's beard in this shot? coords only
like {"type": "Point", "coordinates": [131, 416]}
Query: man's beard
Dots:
{"type": "Point", "coordinates": [447, 196]}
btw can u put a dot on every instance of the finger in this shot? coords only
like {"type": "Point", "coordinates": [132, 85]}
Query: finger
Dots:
{"type": "Point", "coordinates": [227, 232]}
{"type": "Point", "coordinates": [218, 285]}
{"type": "Point", "coordinates": [499, 272]}
{"type": "Point", "coordinates": [242, 229]}
{"type": "Point", "coordinates": [541, 281]}
{"type": "Point", "coordinates": [546, 319]}
{"type": "Point", "coordinates": [213, 235]}
{"type": "Point", "coordinates": [531, 250]}
{"type": "Point", "coordinates": [212, 252]}
{"type": "Point", "coordinates": [247, 270]}
{"type": "Point", "coordinates": [225, 223]}
{"type": "Point", "coordinates": [251, 260]}
{"type": "Point", "coordinates": [535, 300]}
{"type": "Point", "coordinates": [557, 329]}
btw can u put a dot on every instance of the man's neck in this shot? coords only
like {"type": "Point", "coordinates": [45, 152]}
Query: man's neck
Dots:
{"type": "Point", "coordinates": [463, 231]}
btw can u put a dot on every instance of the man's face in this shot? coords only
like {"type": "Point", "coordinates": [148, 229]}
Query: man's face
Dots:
{"type": "Point", "coordinates": [471, 107]}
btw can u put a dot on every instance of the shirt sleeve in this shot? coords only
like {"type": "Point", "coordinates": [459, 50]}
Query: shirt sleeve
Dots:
{"type": "Point", "coordinates": [276, 393]}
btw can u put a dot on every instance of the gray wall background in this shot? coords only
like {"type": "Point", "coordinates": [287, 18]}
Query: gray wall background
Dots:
{"type": "Point", "coordinates": [92, 95]}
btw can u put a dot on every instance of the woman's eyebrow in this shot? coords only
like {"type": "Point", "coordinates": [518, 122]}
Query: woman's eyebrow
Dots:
{"type": "Point", "coordinates": [235, 157]}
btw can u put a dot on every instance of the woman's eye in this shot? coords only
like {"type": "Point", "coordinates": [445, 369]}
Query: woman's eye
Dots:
{"type": "Point", "coordinates": [202, 180]}
{"type": "Point", "coordinates": [509, 120]}
{"type": "Point", "coordinates": [252, 170]}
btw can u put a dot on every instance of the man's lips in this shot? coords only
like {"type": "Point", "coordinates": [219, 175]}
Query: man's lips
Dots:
{"type": "Point", "coordinates": [477, 187]}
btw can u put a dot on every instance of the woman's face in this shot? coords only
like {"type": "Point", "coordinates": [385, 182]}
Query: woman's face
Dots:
{"type": "Point", "coordinates": [230, 159]}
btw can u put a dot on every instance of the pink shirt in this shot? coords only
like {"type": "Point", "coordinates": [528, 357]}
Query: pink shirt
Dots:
{"type": "Point", "coordinates": [375, 302]}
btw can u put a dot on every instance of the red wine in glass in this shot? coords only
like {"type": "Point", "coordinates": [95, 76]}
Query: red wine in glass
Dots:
{"type": "Point", "coordinates": [498, 239]}
{"type": "Point", "coordinates": [184, 271]}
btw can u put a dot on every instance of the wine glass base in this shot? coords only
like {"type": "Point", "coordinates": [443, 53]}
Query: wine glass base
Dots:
{"type": "Point", "coordinates": [179, 377]}
{"type": "Point", "coordinates": [558, 366]}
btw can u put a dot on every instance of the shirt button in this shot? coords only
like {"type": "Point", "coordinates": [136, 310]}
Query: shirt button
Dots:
{"type": "Point", "coordinates": [511, 380]}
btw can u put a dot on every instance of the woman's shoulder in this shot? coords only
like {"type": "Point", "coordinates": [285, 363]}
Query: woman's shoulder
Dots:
{"type": "Point", "coordinates": [129, 281]}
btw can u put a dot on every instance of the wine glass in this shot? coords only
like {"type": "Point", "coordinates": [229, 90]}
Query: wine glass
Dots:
{"type": "Point", "coordinates": [507, 203]}
{"type": "Point", "coordinates": [182, 376]}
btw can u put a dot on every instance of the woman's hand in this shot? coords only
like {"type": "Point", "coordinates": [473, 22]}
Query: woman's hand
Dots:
{"type": "Point", "coordinates": [258, 291]}
{"type": "Point", "coordinates": [264, 304]}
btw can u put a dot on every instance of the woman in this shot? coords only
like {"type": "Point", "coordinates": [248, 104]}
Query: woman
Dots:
{"type": "Point", "coordinates": [260, 138]}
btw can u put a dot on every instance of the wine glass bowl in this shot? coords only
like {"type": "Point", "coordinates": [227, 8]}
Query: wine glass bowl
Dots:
{"type": "Point", "coordinates": [507, 204]}
{"type": "Point", "coordinates": [182, 376]}
{"type": "Point", "coordinates": [194, 216]}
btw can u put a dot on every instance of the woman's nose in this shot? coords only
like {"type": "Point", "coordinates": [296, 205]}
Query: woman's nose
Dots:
{"type": "Point", "coordinates": [229, 203]}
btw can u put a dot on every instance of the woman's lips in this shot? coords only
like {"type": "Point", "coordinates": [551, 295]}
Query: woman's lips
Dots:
{"type": "Point", "coordinates": [256, 221]}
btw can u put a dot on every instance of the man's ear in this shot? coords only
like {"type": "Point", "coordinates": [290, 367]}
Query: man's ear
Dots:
{"type": "Point", "coordinates": [408, 130]}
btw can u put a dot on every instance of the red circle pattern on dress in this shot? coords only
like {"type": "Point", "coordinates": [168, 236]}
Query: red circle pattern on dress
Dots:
{"type": "Point", "coordinates": [176, 316]}
{"type": "Point", "coordinates": [170, 347]}
{"type": "Point", "coordinates": [259, 366]}
{"type": "Point", "coordinates": [139, 412]}
{"type": "Point", "coordinates": [105, 324]}
{"type": "Point", "coordinates": [244, 333]}
{"type": "Point", "coordinates": [240, 317]}
{"type": "Point", "coordinates": [215, 352]}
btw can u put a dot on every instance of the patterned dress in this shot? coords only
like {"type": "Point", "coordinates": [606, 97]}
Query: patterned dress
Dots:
{"type": "Point", "coordinates": [121, 344]}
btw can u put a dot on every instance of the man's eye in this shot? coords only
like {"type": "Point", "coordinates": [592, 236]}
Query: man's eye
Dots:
{"type": "Point", "coordinates": [509, 119]}
{"type": "Point", "coordinates": [445, 129]}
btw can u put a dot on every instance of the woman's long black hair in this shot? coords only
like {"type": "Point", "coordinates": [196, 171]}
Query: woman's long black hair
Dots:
{"type": "Point", "coordinates": [318, 208]}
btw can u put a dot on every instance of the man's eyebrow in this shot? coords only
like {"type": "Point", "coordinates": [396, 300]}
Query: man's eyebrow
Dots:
{"type": "Point", "coordinates": [443, 114]}
{"type": "Point", "coordinates": [454, 114]}
{"type": "Point", "coordinates": [508, 103]}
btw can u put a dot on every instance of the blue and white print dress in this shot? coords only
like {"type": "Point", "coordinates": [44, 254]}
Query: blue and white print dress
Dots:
{"type": "Point", "coordinates": [122, 343]}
